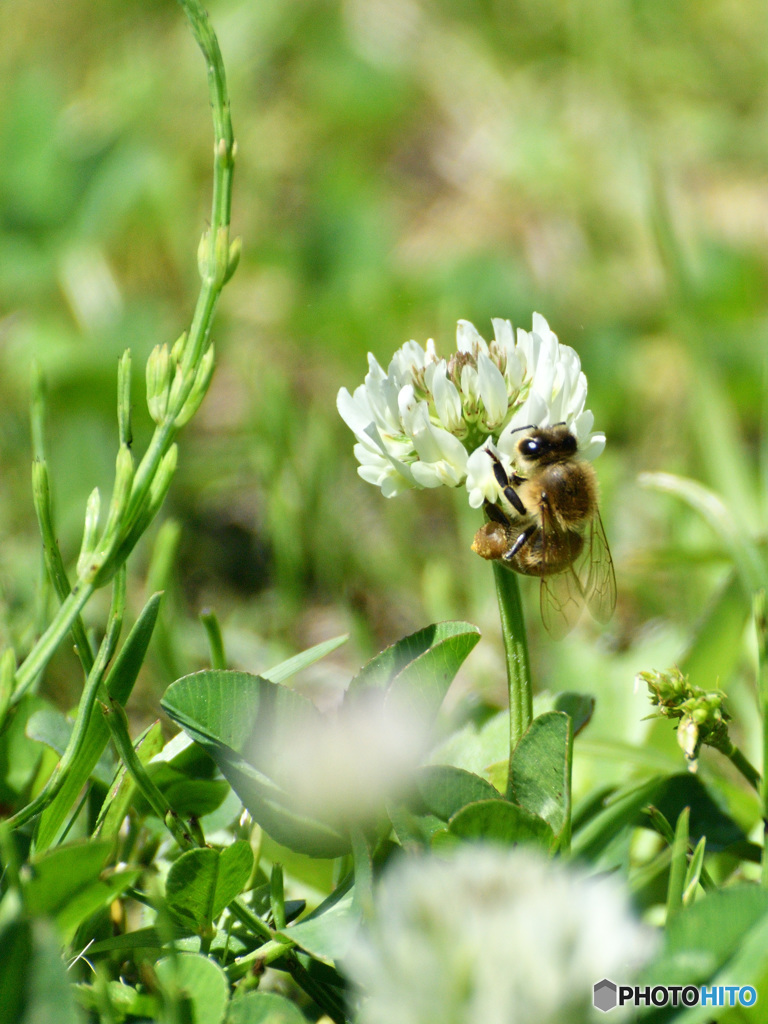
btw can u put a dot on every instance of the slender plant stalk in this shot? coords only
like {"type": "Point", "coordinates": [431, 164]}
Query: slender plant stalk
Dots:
{"type": "Point", "coordinates": [516, 655]}
{"type": "Point", "coordinates": [747, 769]}
{"type": "Point", "coordinates": [41, 494]}
{"type": "Point", "coordinates": [215, 639]}
{"type": "Point", "coordinates": [138, 495]}
{"type": "Point", "coordinates": [118, 726]}
{"type": "Point", "coordinates": [761, 627]}
{"type": "Point", "coordinates": [93, 687]}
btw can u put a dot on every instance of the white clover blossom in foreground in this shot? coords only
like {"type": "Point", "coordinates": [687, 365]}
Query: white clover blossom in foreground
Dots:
{"type": "Point", "coordinates": [346, 765]}
{"type": "Point", "coordinates": [483, 935]}
{"type": "Point", "coordinates": [427, 420]}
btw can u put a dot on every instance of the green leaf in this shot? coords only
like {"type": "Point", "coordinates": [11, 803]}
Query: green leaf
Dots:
{"type": "Point", "coordinates": [202, 882]}
{"type": "Point", "coordinates": [475, 747]}
{"type": "Point", "coordinates": [195, 983]}
{"type": "Point", "coordinates": [58, 875]}
{"type": "Point", "coordinates": [724, 522]}
{"type": "Point", "coordinates": [123, 789]}
{"type": "Point", "coordinates": [264, 1008]}
{"type": "Point", "coordinates": [328, 932]}
{"type": "Point", "coordinates": [33, 978]}
{"type": "Point", "coordinates": [580, 707]}
{"type": "Point", "coordinates": [238, 711]}
{"type": "Point", "coordinates": [419, 668]}
{"type": "Point", "coordinates": [48, 725]}
{"type": "Point", "coordinates": [693, 874]}
{"type": "Point", "coordinates": [678, 865]}
{"type": "Point", "coordinates": [124, 1001]}
{"type": "Point", "coordinates": [19, 755]}
{"type": "Point", "coordinates": [16, 939]}
{"type": "Point", "coordinates": [243, 721]}
{"type": "Point", "coordinates": [501, 822]}
{"type": "Point", "coordinates": [303, 660]}
{"type": "Point", "coordinates": [141, 938]}
{"type": "Point", "coordinates": [541, 770]}
{"type": "Point", "coordinates": [186, 795]}
{"type": "Point", "coordinates": [69, 883]}
{"type": "Point", "coordinates": [235, 866]}
{"type": "Point", "coordinates": [445, 789]}
{"type": "Point", "coordinates": [276, 811]}
{"type": "Point", "coordinates": [701, 938]}
{"type": "Point", "coordinates": [706, 816]}
{"type": "Point", "coordinates": [190, 887]}
{"type": "Point", "coordinates": [119, 683]}
{"type": "Point", "coordinates": [413, 831]}
{"type": "Point", "coordinates": [716, 646]}
{"type": "Point", "coordinates": [620, 811]}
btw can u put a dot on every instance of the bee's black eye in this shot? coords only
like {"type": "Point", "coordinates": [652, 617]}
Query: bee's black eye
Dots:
{"type": "Point", "coordinates": [530, 446]}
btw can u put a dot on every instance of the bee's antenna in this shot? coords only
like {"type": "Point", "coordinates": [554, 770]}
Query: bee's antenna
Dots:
{"type": "Point", "coordinates": [531, 426]}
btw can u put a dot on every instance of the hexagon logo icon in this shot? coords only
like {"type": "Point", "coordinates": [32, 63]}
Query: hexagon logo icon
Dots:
{"type": "Point", "coordinates": [604, 995]}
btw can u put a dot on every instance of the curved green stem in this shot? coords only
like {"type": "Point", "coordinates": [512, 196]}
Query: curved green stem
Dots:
{"type": "Point", "coordinates": [217, 260]}
{"type": "Point", "coordinates": [92, 687]}
{"type": "Point", "coordinates": [515, 653]}
{"type": "Point", "coordinates": [761, 628]}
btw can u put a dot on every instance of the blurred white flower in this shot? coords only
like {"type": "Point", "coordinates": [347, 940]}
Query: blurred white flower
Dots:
{"type": "Point", "coordinates": [343, 766]}
{"type": "Point", "coordinates": [484, 935]}
{"type": "Point", "coordinates": [426, 421]}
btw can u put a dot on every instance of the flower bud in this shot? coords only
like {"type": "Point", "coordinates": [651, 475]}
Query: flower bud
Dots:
{"type": "Point", "coordinates": [158, 382]}
{"type": "Point", "coordinates": [178, 347]}
{"type": "Point", "coordinates": [121, 492]}
{"type": "Point", "coordinates": [233, 258]}
{"type": "Point", "coordinates": [162, 479]}
{"type": "Point", "coordinates": [90, 531]}
{"type": "Point", "coordinates": [199, 388]}
{"type": "Point", "coordinates": [205, 256]}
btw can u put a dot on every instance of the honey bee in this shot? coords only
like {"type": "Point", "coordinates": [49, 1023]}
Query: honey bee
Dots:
{"type": "Point", "coordinates": [555, 531]}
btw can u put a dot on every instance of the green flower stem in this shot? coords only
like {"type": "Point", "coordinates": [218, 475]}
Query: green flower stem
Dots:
{"type": "Point", "coordinates": [244, 914]}
{"type": "Point", "coordinates": [748, 770]}
{"type": "Point", "coordinates": [516, 654]}
{"type": "Point", "coordinates": [761, 628]}
{"type": "Point", "coordinates": [277, 947]}
{"type": "Point", "coordinates": [43, 650]}
{"type": "Point", "coordinates": [93, 686]}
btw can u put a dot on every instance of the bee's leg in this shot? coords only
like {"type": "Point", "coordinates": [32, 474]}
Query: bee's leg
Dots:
{"type": "Point", "coordinates": [503, 481]}
{"type": "Point", "coordinates": [496, 514]}
{"type": "Point", "coordinates": [526, 535]}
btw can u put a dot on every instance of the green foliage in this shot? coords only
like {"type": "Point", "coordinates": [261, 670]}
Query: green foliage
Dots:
{"type": "Point", "coordinates": [184, 879]}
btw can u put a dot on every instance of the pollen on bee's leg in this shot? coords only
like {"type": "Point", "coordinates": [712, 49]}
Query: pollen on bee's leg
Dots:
{"type": "Point", "coordinates": [490, 541]}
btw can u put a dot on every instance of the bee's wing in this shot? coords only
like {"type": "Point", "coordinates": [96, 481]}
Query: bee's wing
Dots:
{"type": "Point", "coordinates": [596, 572]}
{"type": "Point", "coordinates": [562, 595]}
{"type": "Point", "coordinates": [562, 600]}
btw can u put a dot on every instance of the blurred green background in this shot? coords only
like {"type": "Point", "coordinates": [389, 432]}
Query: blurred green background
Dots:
{"type": "Point", "coordinates": [401, 164]}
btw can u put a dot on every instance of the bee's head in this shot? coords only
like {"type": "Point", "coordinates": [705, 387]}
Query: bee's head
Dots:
{"type": "Point", "coordinates": [541, 446]}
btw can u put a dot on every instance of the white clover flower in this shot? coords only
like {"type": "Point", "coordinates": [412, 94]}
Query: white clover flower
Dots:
{"type": "Point", "coordinates": [484, 935]}
{"type": "Point", "coordinates": [346, 765]}
{"type": "Point", "coordinates": [427, 421]}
